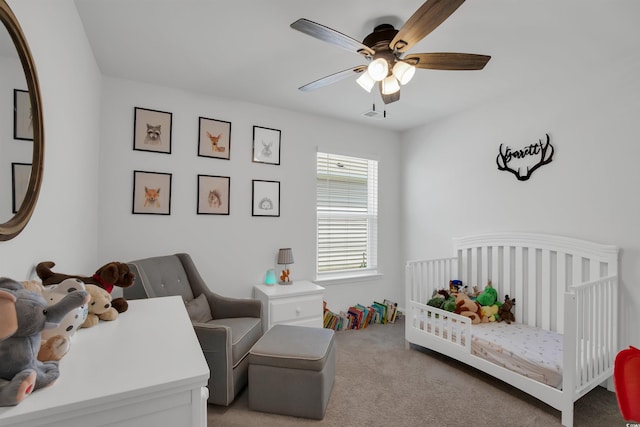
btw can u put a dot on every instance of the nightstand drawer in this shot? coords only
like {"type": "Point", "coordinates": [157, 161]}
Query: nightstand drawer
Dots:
{"type": "Point", "coordinates": [288, 309]}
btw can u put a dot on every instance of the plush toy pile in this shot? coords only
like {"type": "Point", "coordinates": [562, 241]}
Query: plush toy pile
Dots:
{"type": "Point", "coordinates": [37, 322]}
{"type": "Point", "coordinates": [25, 314]}
{"type": "Point", "coordinates": [480, 307]}
{"type": "Point", "coordinates": [109, 275]}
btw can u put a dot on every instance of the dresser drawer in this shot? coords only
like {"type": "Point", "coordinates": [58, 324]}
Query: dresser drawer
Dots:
{"type": "Point", "coordinates": [287, 309]}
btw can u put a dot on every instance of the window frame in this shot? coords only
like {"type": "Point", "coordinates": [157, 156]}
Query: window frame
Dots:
{"type": "Point", "coordinates": [371, 215]}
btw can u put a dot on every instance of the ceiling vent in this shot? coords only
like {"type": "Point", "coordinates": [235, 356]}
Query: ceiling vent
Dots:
{"type": "Point", "coordinates": [373, 114]}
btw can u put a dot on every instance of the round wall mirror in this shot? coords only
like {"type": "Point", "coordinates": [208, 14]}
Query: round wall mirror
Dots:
{"type": "Point", "coordinates": [22, 136]}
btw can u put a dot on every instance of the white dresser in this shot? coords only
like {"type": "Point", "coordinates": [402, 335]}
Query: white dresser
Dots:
{"type": "Point", "coordinates": [144, 369]}
{"type": "Point", "coordinates": [297, 304]}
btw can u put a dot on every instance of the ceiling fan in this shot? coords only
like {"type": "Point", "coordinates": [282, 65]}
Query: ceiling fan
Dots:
{"type": "Point", "coordinates": [386, 50]}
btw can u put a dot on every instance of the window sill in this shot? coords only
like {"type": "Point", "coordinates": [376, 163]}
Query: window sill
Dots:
{"type": "Point", "coordinates": [336, 279]}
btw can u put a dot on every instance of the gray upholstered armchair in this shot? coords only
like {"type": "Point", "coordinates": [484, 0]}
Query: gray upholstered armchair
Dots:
{"type": "Point", "coordinates": [227, 328]}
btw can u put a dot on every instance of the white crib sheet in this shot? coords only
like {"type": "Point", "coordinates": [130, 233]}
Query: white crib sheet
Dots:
{"type": "Point", "coordinates": [533, 352]}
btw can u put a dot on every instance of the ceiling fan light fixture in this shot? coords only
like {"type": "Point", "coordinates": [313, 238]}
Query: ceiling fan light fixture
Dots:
{"type": "Point", "coordinates": [403, 72]}
{"type": "Point", "coordinates": [366, 81]}
{"type": "Point", "coordinates": [378, 69]}
{"type": "Point", "coordinates": [390, 85]}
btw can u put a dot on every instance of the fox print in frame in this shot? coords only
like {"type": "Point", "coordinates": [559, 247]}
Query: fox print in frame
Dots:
{"type": "Point", "coordinates": [151, 193]}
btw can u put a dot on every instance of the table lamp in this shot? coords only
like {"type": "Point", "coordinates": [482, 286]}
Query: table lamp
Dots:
{"type": "Point", "coordinates": [285, 256]}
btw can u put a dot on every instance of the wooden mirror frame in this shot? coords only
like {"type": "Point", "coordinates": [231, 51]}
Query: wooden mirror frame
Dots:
{"type": "Point", "coordinates": [16, 224]}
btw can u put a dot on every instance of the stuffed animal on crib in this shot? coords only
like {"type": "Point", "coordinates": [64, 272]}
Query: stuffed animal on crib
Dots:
{"type": "Point", "coordinates": [465, 306]}
{"type": "Point", "coordinates": [465, 289]}
{"type": "Point", "coordinates": [441, 299]}
{"type": "Point", "coordinates": [490, 312]}
{"type": "Point", "coordinates": [454, 286]}
{"type": "Point", "coordinates": [25, 314]}
{"type": "Point", "coordinates": [504, 312]}
{"type": "Point", "coordinates": [109, 275]}
{"type": "Point", "coordinates": [488, 296]}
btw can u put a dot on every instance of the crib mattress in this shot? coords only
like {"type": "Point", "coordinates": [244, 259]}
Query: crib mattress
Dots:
{"type": "Point", "coordinates": [533, 352]}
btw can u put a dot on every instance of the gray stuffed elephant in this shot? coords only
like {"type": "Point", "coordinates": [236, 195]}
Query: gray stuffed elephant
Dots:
{"type": "Point", "coordinates": [23, 315]}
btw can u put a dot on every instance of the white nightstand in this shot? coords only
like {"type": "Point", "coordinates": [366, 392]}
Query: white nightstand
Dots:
{"type": "Point", "coordinates": [297, 304]}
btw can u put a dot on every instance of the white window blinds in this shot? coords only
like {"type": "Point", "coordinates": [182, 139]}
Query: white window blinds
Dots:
{"type": "Point", "coordinates": [347, 214]}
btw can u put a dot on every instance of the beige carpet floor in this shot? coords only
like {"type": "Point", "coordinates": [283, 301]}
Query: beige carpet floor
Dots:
{"type": "Point", "coordinates": [380, 382]}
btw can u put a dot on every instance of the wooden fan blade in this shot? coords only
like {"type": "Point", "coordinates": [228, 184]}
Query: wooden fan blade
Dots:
{"type": "Point", "coordinates": [426, 19]}
{"type": "Point", "coordinates": [332, 78]}
{"type": "Point", "coordinates": [388, 99]}
{"type": "Point", "coordinates": [447, 61]}
{"type": "Point", "coordinates": [332, 36]}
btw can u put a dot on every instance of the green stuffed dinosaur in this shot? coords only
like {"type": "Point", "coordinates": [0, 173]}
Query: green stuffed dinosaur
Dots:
{"type": "Point", "coordinates": [488, 296]}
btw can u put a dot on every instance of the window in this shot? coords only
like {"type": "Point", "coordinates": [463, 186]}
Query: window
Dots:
{"type": "Point", "coordinates": [347, 216]}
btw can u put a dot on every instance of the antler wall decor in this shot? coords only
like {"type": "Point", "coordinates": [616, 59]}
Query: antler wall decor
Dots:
{"type": "Point", "coordinates": [545, 151]}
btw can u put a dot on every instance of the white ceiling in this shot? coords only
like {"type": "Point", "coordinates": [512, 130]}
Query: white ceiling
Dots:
{"type": "Point", "coordinates": [245, 49]}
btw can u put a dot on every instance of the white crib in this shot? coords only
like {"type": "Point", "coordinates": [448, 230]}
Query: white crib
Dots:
{"type": "Point", "coordinates": [560, 284]}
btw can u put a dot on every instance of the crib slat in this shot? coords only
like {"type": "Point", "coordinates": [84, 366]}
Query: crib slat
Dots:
{"type": "Point", "coordinates": [473, 259]}
{"type": "Point", "coordinates": [484, 274]}
{"type": "Point", "coordinates": [545, 282]}
{"type": "Point", "coordinates": [531, 287]}
{"type": "Point", "coordinates": [519, 290]}
{"type": "Point", "coordinates": [576, 269]}
{"type": "Point", "coordinates": [464, 266]}
{"type": "Point", "coordinates": [506, 272]}
{"type": "Point", "coordinates": [582, 335]}
{"type": "Point", "coordinates": [594, 269]}
{"type": "Point", "coordinates": [561, 286]}
{"type": "Point", "coordinates": [602, 297]}
{"type": "Point", "coordinates": [494, 275]}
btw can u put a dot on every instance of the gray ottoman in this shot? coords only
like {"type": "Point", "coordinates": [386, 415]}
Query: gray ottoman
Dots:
{"type": "Point", "coordinates": [291, 371]}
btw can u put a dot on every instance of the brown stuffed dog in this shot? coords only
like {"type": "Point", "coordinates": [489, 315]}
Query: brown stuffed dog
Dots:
{"type": "Point", "coordinates": [504, 312]}
{"type": "Point", "coordinates": [107, 276]}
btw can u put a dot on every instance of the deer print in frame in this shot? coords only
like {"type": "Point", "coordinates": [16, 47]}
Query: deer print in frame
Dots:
{"type": "Point", "coordinates": [214, 138]}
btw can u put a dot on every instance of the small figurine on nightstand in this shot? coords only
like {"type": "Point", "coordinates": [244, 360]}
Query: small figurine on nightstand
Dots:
{"type": "Point", "coordinates": [284, 277]}
{"type": "Point", "coordinates": [285, 256]}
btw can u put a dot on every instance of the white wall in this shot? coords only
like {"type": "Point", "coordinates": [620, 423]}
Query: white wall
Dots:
{"type": "Point", "coordinates": [452, 185]}
{"type": "Point", "coordinates": [233, 252]}
{"type": "Point", "coordinates": [63, 227]}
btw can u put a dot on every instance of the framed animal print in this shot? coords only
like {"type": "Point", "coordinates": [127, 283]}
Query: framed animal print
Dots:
{"type": "Point", "coordinates": [214, 138]}
{"type": "Point", "coordinates": [152, 130]}
{"type": "Point", "coordinates": [20, 175]}
{"type": "Point", "coordinates": [213, 195]}
{"type": "Point", "coordinates": [151, 193]}
{"type": "Point", "coordinates": [22, 116]}
{"type": "Point", "coordinates": [265, 198]}
{"type": "Point", "coordinates": [266, 145]}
